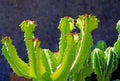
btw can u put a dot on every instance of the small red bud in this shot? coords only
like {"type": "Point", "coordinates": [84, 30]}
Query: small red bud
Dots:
{"type": "Point", "coordinates": [6, 39]}
{"type": "Point", "coordinates": [88, 15]}
{"type": "Point", "coordinates": [35, 39]}
{"type": "Point", "coordinates": [27, 26]}
{"type": "Point", "coordinates": [29, 21]}
{"type": "Point", "coordinates": [36, 42]}
{"type": "Point", "coordinates": [68, 17]}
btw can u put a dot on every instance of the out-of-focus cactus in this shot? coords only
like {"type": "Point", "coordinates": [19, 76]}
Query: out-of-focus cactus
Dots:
{"type": "Point", "coordinates": [104, 63]}
{"type": "Point", "coordinates": [71, 60]}
{"type": "Point", "coordinates": [101, 45]}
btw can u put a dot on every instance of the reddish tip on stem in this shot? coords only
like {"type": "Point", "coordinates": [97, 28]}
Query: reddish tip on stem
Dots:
{"type": "Point", "coordinates": [28, 20]}
{"type": "Point", "coordinates": [87, 15]}
{"type": "Point", "coordinates": [68, 17]}
{"type": "Point", "coordinates": [6, 37]}
{"type": "Point", "coordinates": [35, 39]}
{"type": "Point", "coordinates": [36, 42]}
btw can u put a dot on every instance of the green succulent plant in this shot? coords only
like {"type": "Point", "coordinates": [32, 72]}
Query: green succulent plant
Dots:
{"type": "Point", "coordinates": [73, 61]}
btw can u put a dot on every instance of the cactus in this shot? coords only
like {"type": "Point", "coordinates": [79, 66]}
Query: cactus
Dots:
{"type": "Point", "coordinates": [85, 71]}
{"type": "Point", "coordinates": [66, 26]}
{"type": "Point", "coordinates": [84, 23]}
{"type": "Point", "coordinates": [104, 63]}
{"type": "Point", "coordinates": [9, 51]}
{"type": "Point", "coordinates": [71, 61]}
{"type": "Point", "coordinates": [101, 45]}
{"type": "Point", "coordinates": [117, 43]}
{"type": "Point", "coordinates": [105, 59]}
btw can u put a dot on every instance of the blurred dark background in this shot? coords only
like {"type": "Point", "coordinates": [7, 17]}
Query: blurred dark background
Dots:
{"type": "Point", "coordinates": [47, 14]}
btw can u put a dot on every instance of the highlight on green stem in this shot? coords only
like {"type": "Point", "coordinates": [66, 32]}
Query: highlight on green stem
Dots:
{"type": "Point", "coordinates": [86, 26]}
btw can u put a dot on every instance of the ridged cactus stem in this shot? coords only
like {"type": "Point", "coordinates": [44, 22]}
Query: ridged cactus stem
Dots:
{"type": "Point", "coordinates": [83, 51]}
{"type": "Point", "coordinates": [104, 63]}
{"type": "Point", "coordinates": [28, 27]}
{"type": "Point", "coordinates": [62, 72]}
{"type": "Point", "coordinates": [32, 61]}
{"type": "Point", "coordinates": [62, 47]}
{"type": "Point", "coordinates": [86, 24]}
{"type": "Point", "coordinates": [10, 53]}
{"type": "Point", "coordinates": [66, 25]}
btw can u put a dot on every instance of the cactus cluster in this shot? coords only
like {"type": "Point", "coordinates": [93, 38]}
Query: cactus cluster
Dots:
{"type": "Point", "coordinates": [104, 63]}
{"type": "Point", "coordinates": [73, 61]}
{"type": "Point", "coordinates": [105, 59]}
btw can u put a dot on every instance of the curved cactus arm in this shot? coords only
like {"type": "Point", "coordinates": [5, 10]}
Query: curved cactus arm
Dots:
{"type": "Point", "coordinates": [28, 27]}
{"type": "Point", "coordinates": [86, 24]}
{"type": "Point", "coordinates": [42, 61]}
{"type": "Point", "coordinates": [66, 26]}
{"type": "Point", "coordinates": [61, 73]}
{"type": "Point", "coordinates": [37, 57]}
{"type": "Point", "coordinates": [50, 64]}
{"type": "Point", "coordinates": [9, 51]}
